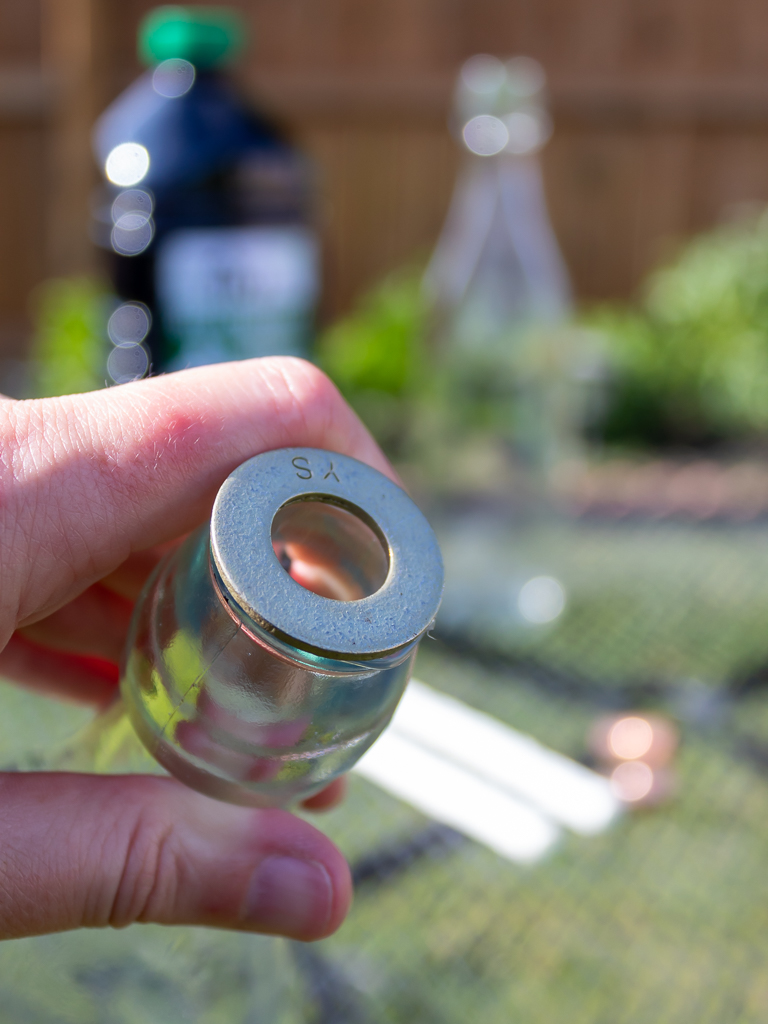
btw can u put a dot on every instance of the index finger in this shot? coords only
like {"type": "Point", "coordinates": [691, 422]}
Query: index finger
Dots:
{"type": "Point", "coordinates": [89, 479]}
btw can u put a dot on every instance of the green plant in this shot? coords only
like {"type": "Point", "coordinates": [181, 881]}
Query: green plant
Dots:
{"type": "Point", "coordinates": [690, 364]}
{"type": "Point", "coordinates": [376, 355]}
{"type": "Point", "coordinates": [69, 349]}
{"type": "Point", "coordinates": [424, 397]}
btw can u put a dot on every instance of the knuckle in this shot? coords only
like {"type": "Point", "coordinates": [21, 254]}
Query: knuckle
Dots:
{"type": "Point", "coordinates": [147, 882]}
{"type": "Point", "coordinates": [307, 380]}
{"type": "Point", "coordinates": [310, 404]}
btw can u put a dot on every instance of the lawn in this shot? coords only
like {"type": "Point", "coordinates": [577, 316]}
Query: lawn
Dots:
{"type": "Point", "coordinates": [661, 920]}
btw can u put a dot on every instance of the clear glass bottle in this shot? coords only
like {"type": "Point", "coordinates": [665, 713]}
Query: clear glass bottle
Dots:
{"type": "Point", "coordinates": [497, 284]}
{"type": "Point", "coordinates": [497, 267]}
{"type": "Point", "coordinates": [270, 650]}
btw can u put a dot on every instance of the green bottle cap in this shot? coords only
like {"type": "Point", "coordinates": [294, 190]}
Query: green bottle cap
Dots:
{"type": "Point", "coordinates": [205, 36]}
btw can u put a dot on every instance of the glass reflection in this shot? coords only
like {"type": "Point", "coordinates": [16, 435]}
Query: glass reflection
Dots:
{"type": "Point", "coordinates": [129, 324]}
{"type": "Point", "coordinates": [127, 362]}
{"type": "Point", "coordinates": [541, 600]}
{"type": "Point", "coordinates": [131, 235]}
{"type": "Point", "coordinates": [480, 79]}
{"type": "Point", "coordinates": [632, 781]}
{"type": "Point", "coordinates": [485, 135]}
{"type": "Point", "coordinates": [132, 200]}
{"type": "Point", "coordinates": [630, 738]}
{"type": "Point", "coordinates": [127, 164]}
{"type": "Point", "coordinates": [132, 219]}
{"type": "Point", "coordinates": [173, 78]}
{"type": "Point", "coordinates": [526, 132]}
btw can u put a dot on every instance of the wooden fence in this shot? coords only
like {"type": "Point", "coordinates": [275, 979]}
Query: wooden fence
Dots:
{"type": "Point", "coordinates": [660, 108]}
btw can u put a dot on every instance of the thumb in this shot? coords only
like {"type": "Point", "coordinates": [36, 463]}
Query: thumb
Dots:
{"type": "Point", "coordinates": [81, 850]}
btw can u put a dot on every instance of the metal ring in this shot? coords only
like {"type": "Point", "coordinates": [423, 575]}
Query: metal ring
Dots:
{"type": "Point", "coordinates": [242, 552]}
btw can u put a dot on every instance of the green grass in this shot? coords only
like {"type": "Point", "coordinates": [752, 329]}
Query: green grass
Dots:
{"type": "Point", "coordinates": [661, 920]}
{"type": "Point", "coordinates": [664, 918]}
{"type": "Point", "coordinates": [644, 603]}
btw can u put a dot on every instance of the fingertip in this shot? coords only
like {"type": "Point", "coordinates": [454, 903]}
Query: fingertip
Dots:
{"type": "Point", "coordinates": [302, 888]}
{"type": "Point", "coordinates": [300, 899]}
{"type": "Point", "coordinates": [340, 877]}
{"type": "Point", "coordinates": [329, 797]}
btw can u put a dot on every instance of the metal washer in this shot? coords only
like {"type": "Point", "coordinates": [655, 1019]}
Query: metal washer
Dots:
{"type": "Point", "coordinates": [241, 546]}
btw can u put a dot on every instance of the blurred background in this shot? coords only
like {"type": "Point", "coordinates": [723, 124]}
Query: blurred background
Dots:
{"type": "Point", "coordinates": [540, 248]}
{"type": "Point", "coordinates": [660, 114]}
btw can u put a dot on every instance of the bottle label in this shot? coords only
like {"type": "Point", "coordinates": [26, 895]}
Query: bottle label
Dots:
{"type": "Point", "coordinates": [233, 293]}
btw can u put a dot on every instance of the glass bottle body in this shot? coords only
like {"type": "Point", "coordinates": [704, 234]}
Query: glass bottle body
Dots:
{"type": "Point", "coordinates": [236, 712]}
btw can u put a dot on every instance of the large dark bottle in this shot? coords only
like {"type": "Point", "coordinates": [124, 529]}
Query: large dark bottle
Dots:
{"type": "Point", "coordinates": [205, 209]}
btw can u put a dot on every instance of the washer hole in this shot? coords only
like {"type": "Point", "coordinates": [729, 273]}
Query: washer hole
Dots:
{"type": "Point", "coordinates": [330, 548]}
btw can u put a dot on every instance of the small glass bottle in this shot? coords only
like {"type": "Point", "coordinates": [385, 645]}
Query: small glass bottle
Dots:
{"type": "Point", "coordinates": [269, 651]}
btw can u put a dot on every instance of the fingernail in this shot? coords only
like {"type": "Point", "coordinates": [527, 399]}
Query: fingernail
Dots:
{"type": "Point", "coordinates": [291, 897]}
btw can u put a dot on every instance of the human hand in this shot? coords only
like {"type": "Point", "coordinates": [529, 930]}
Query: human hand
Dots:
{"type": "Point", "coordinates": [92, 488]}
